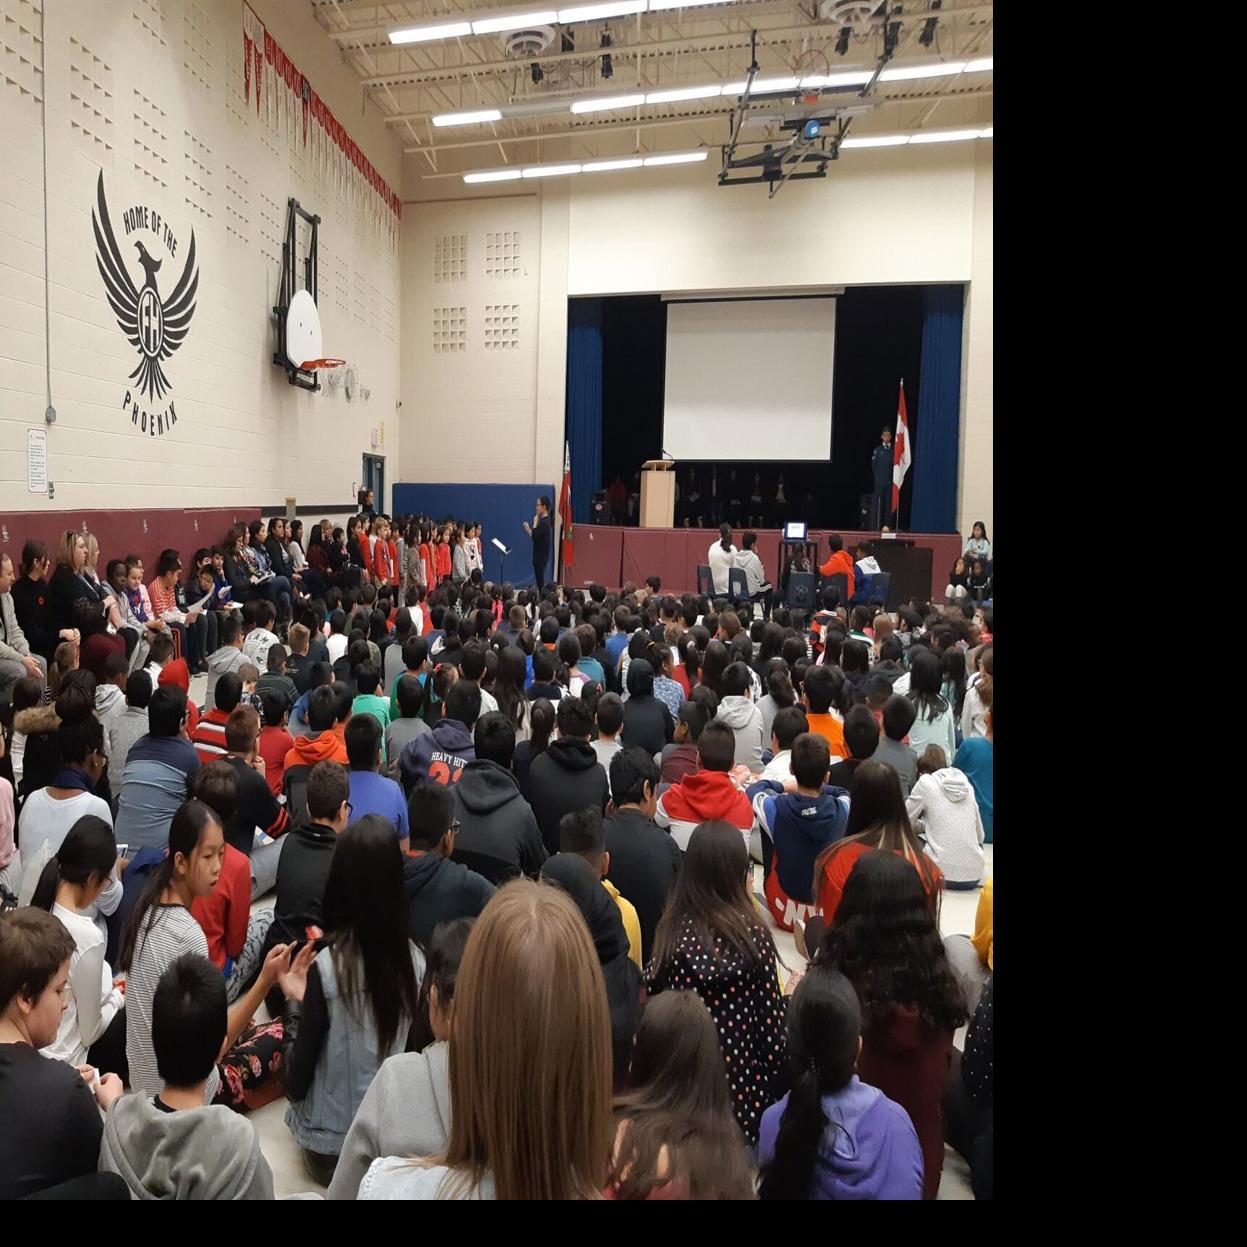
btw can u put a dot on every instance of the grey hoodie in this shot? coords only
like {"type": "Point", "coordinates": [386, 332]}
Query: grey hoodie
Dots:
{"type": "Point", "coordinates": [745, 719]}
{"type": "Point", "coordinates": [198, 1153]}
{"type": "Point", "coordinates": [406, 1112]}
{"type": "Point", "coordinates": [127, 726]}
{"type": "Point", "coordinates": [110, 704]}
{"type": "Point", "coordinates": [951, 823]}
{"type": "Point", "coordinates": [227, 658]}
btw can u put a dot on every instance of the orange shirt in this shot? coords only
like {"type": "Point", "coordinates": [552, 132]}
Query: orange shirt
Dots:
{"type": "Point", "coordinates": [831, 730]}
{"type": "Point", "coordinates": [840, 563]}
{"type": "Point", "coordinates": [829, 886]}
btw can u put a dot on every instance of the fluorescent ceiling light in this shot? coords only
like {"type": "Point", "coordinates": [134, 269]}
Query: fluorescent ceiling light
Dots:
{"type": "Point", "coordinates": [550, 171]}
{"type": "Point", "coordinates": [494, 175]}
{"type": "Point", "coordinates": [514, 21]}
{"type": "Point", "coordinates": [657, 6]}
{"type": "Point", "coordinates": [978, 66]}
{"type": "Point", "coordinates": [418, 34]}
{"type": "Point", "coordinates": [595, 12]}
{"type": "Point", "coordinates": [605, 166]}
{"type": "Point", "coordinates": [986, 134]}
{"type": "Point", "coordinates": [604, 104]}
{"type": "Point", "coordinates": [683, 93]}
{"type": "Point", "coordinates": [937, 69]}
{"type": "Point", "coordinates": [943, 136]}
{"type": "Point", "coordinates": [675, 158]}
{"type": "Point", "coordinates": [877, 140]}
{"type": "Point", "coordinates": [853, 78]}
{"type": "Point", "coordinates": [467, 119]}
{"type": "Point", "coordinates": [761, 85]}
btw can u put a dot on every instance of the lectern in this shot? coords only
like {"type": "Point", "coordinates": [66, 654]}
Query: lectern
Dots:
{"type": "Point", "coordinates": [658, 493]}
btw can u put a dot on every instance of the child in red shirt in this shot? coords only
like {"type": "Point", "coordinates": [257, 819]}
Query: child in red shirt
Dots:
{"type": "Point", "coordinates": [275, 741]}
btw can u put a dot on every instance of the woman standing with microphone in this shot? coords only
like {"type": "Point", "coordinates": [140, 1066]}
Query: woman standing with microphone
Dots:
{"type": "Point", "coordinates": [542, 532]}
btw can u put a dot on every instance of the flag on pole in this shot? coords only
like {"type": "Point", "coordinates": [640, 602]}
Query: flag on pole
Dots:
{"type": "Point", "coordinates": [565, 508]}
{"type": "Point", "coordinates": [901, 458]}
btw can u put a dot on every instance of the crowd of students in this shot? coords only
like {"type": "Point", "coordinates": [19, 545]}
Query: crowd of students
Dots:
{"type": "Point", "coordinates": [465, 874]}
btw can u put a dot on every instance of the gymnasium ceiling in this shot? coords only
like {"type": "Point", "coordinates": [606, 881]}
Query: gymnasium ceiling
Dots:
{"type": "Point", "coordinates": [667, 50]}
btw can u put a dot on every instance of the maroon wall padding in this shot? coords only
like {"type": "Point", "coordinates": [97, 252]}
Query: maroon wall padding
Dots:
{"type": "Point", "coordinates": [613, 556]}
{"type": "Point", "coordinates": [119, 533]}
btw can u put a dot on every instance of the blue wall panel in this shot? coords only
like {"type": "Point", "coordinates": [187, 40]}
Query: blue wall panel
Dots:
{"type": "Point", "coordinates": [501, 509]}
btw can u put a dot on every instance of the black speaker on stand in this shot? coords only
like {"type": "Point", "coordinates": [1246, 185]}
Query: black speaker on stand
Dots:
{"type": "Point", "coordinates": [867, 512]}
{"type": "Point", "coordinates": [598, 513]}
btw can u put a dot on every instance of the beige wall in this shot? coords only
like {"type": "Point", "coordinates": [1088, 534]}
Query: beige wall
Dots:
{"type": "Point", "coordinates": [902, 216]}
{"type": "Point", "coordinates": [151, 92]}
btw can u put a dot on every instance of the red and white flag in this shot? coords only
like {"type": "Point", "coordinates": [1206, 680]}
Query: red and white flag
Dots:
{"type": "Point", "coordinates": [565, 507]}
{"type": "Point", "coordinates": [901, 457]}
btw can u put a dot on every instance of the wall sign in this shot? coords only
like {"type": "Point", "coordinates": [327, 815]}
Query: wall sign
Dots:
{"type": "Point", "coordinates": [36, 461]}
{"type": "Point", "coordinates": [154, 325]}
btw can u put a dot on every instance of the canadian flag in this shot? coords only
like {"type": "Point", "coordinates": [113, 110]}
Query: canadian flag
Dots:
{"type": "Point", "coordinates": [901, 457]}
{"type": "Point", "coordinates": [565, 508]}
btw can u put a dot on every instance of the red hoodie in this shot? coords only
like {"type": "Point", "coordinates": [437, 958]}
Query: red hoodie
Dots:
{"type": "Point", "coordinates": [704, 797]}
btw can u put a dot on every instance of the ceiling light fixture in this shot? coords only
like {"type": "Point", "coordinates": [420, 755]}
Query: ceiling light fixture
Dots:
{"type": "Point", "coordinates": [596, 12]}
{"type": "Point", "coordinates": [676, 158]}
{"type": "Point", "coordinates": [928, 27]}
{"type": "Point", "coordinates": [607, 103]}
{"type": "Point", "coordinates": [684, 93]}
{"type": "Point", "coordinates": [467, 119]}
{"type": "Point", "coordinates": [919, 137]}
{"type": "Point", "coordinates": [514, 21]}
{"type": "Point", "coordinates": [419, 34]}
{"type": "Point", "coordinates": [944, 136]}
{"type": "Point", "coordinates": [493, 175]}
{"type": "Point", "coordinates": [608, 66]}
{"type": "Point", "coordinates": [608, 166]}
{"type": "Point", "coordinates": [550, 171]}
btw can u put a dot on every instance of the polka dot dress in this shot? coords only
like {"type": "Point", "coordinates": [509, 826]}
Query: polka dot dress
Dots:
{"type": "Point", "coordinates": [745, 1001]}
{"type": "Point", "coordinates": [977, 1060]}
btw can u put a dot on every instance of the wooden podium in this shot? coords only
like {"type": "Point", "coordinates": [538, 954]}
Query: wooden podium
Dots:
{"type": "Point", "coordinates": [658, 493]}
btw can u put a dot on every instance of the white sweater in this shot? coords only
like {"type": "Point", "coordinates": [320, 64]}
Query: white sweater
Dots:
{"type": "Point", "coordinates": [951, 823]}
{"type": "Point", "coordinates": [88, 973]}
{"type": "Point", "coordinates": [720, 561]}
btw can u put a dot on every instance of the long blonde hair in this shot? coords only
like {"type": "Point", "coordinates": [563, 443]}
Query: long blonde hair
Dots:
{"type": "Point", "coordinates": [530, 1052]}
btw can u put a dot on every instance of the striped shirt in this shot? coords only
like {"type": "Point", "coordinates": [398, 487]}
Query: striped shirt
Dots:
{"type": "Point", "coordinates": [173, 932]}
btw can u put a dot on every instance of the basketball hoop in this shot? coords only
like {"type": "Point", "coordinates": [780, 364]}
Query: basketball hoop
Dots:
{"type": "Point", "coordinates": [313, 365]}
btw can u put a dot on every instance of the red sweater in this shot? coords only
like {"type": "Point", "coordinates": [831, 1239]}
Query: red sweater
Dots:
{"type": "Point", "coordinates": [275, 743]}
{"type": "Point", "coordinates": [909, 1062]}
{"type": "Point", "coordinates": [209, 736]}
{"type": "Point", "coordinates": [442, 554]}
{"type": "Point", "coordinates": [836, 870]}
{"type": "Point", "coordinates": [223, 913]}
{"type": "Point", "coordinates": [430, 572]}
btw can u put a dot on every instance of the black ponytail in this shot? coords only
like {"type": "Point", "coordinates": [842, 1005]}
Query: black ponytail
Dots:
{"type": "Point", "coordinates": [725, 536]}
{"type": "Point", "coordinates": [88, 850]}
{"type": "Point", "coordinates": [184, 834]}
{"type": "Point", "coordinates": [824, 1030]}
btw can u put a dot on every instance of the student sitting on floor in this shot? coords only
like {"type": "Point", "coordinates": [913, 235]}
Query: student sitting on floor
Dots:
{"type": "Point", "coordinates": [898, 717]}
{"type": "Point", "coordinates": [92, 1029]}
{"type": "Point", "coordinates": [406, 1110]}
{"type": "Point", "coordinates": [796, 828]}
{"type": "Point", "coordinates": [832, 1136]}
{"type": "Point", "coordinates": [861, 738]}
{"type": "Point", "coordinates": [583, 834]}
{"type": "Point", "coordinates": [708, 795]}
{"type": "Point", "coordinates": [945, 814]}
{"type": "Point", "coordinates": [372, 792]}
{"type": "Point", "coordinates": [680, 758]}
{"type": "Point", "coordinates": [49, 1119]}
{"type": "Point", "coordinates": [738, 711]}
{"type": "Point", "coordinates": [350, 1005]}
{"type": "Point", "coordinates": [174, 1145]}
{"type": "Point", "coordinates": [275, 741]}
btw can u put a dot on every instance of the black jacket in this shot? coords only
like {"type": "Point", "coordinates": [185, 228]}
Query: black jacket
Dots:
{"type": "Point", "coordinates": [645, 863]}
{"type": "Point", "coordinates": [439, 890]}
{"type": "Point", "coordinates": [565, 778]}
{"type": "Point", "coordinates": [647, 723]}
{"type": "Point", "coordinates": [66, 591]}
{"type": "Point", "coordinates": [281, 562]}
{"type": "Point", "coordinates": [494, 819]}
{"type": "Point", "coordinates": [881, 468]}
{"type": "Point", "coordinates": [32, 604]}
{"type": "Point", "coordinates": [302, 872]}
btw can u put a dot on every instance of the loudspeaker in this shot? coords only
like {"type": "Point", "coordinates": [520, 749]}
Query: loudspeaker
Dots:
{"type": "Point", "coordinates": [867, 512]}
{"type": "Point", "coordinates": [598, 513]}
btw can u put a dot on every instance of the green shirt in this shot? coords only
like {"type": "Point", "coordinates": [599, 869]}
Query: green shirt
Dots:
{"type": "Point", "coordinates": [394, 711]}
{"type": "Point", "coordinates": [379, 708]}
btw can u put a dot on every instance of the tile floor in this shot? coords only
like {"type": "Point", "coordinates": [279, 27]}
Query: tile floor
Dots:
{"type": "Point", "coordinates": [290, 1177]}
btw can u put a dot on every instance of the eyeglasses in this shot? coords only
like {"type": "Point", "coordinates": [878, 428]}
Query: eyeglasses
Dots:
{"type": "Point", "coordinates": [454, 827]}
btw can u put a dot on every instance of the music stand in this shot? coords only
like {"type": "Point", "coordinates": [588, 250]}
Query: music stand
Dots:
{"type": "Point", "coordinates": [502, 561]}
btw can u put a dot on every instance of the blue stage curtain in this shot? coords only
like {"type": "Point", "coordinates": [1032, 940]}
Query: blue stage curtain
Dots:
{"type": "Point", "coordinates": [934, 505]}
{"type": "Point", "coordinates": [584, 401]}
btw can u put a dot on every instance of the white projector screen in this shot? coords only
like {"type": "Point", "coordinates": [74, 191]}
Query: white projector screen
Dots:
{"type": "Point", "coordinates": [749, 379]}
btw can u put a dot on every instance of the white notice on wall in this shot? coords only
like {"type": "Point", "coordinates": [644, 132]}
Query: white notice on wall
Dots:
{"type": "Point", "coordinates": [36, 461]}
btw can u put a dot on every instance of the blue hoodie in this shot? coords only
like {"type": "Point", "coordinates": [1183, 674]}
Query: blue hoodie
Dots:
{"type": "Point", "coordinates": [869, 1149]}
{"type": "Point", "coordinates": [437, 756]}
{"type": "Point", "coordinates": [800, 828]}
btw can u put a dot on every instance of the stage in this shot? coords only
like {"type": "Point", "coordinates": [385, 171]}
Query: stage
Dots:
{"type": "Point", "coordinates": [613, 556]}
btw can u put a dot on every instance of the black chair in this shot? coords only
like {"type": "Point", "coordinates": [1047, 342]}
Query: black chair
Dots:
{"type": "Point", "coordinates": [705, 581]}
{"type": "Point", "coordinates": [880, 587]}
{"type": "Point", "coordinates": [839, 582]}
{"type": "Point", "coordinates": [800, 595]}
{"type": "Point", "coordinates": [737, 585]}
{"type": "Point", "coordinates": [494, 869]}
